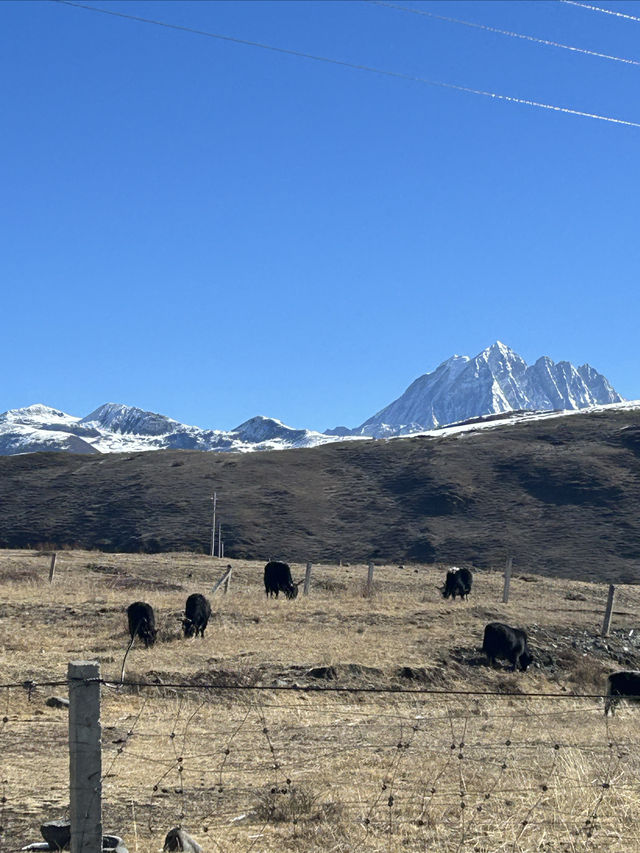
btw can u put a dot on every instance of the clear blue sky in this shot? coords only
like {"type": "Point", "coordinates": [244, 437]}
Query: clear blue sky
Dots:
{"type": "Point", "coordinates": [213, 231]}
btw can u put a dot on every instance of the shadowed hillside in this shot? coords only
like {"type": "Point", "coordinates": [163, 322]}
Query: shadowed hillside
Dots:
{"type": "Point", "coordinates": [563, 495]}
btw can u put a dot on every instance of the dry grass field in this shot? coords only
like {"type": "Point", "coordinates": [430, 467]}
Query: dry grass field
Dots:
{"type": "Point", "coordinates": [376, 762]}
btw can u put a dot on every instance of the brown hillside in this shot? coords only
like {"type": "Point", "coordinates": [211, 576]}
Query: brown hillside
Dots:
{"type": "Point", "coordinates": [562, 495]}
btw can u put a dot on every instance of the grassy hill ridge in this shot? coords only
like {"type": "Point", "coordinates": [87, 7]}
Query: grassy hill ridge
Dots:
{"type": "Point", "coordinates": [561, 495]}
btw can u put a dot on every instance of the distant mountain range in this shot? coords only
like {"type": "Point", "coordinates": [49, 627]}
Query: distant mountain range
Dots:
{"type": "Point", "coordinates": [113, 428]}
{"type": "Point", "coordinates": [496, 381]}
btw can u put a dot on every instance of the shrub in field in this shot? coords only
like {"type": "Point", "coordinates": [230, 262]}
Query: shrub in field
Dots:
{"type": "Point", "coordinates": [292, 804]}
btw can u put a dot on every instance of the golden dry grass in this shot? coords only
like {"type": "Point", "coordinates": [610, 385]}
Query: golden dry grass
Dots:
{"type": "Point", "coordinates": [280, 769]}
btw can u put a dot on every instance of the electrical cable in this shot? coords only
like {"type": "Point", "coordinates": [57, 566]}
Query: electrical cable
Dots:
{"type": "Point", "coordinates": [600, 9]}
{"type": "Point", "coordinates": [487, 28]}
{"type": "Point", "coordinates": [356, 66]}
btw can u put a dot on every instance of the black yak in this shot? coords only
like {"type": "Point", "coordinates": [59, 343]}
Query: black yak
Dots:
{"type": "Point", "coordinates": [457, 582]}
{"type": "Point", "coordinates": [277, 578]}
{"type": "Point", "coordinates": [503, 641]}
{"type": "Point", "coordinates": [197, 611]}
{"type": "Point", "coordinates": [624, 684]}
{"type": "Point", "coordinates": [142, 622]}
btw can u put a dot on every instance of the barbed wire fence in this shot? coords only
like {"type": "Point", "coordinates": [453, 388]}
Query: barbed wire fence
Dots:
{"type": "Point", "coordinates": [261, 768]}
{"type": "Point", "coordinates": [344, 769]}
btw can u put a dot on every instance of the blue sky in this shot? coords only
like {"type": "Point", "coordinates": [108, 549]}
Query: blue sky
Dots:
{"type": "Point", "coordinates": [213, 231]}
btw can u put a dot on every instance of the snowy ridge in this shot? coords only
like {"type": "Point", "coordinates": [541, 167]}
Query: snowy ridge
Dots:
{"type": "Point", "coordinates": [114, 428]}
{"type": "Point", "coordinates": [512, 418]}
{"type": "Point", "coordinates": [461, 396]}
{"type": "Point", "coordinates": [28, 431]}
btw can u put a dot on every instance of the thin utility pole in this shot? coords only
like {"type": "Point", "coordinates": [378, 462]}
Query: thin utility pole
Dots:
{"type": "Point", "coordinates": [213, 526]}
{"type": "Point", "coordinates": [219, 538]}
{"type": "Point", "coordinates": [507, 579]}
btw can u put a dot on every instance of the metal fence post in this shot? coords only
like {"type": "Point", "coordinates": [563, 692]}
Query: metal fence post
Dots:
{"type": "Point", "coordinates": [608, 613]}
{"type": "Point", "coordinates": [85, 757]}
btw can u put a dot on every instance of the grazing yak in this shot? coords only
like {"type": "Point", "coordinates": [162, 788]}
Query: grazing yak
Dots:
{"type": "Point", "coordinates": [624, 684]}
{"type": "Point", "coordinates": [197, 611]}
{"type": "Point", "coordinates": [277, 578]}
{"type": "Point", "coordinates": [142, 622]}
{"type": "Point", "coordinates": [503, 641]}
{"type": "Point", "coordinates": [457, 582]}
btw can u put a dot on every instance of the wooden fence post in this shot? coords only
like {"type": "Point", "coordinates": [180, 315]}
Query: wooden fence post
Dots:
{"type": "Point", "coordinates": [85, 757]}
{"type": "Point", "coordinates": [52, 567]}
{"type": "Point", "coordinates": [223, 580]}
{"type": "Point", "coordinates": [307, 580]}
{"type": "Point", "coordinates": [507, 580]}
{"type": "Point", "coordinates": [608, 613]}
{"type": "Point", "coordinates": [370, 580]}
{"type": "Point", "coordinates": [227, 581]}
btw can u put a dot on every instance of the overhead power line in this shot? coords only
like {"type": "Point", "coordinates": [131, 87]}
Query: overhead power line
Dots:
{"type": "Point", "coordinates": [600, 9]}
{"type": "Point", "coordinates": [489, 29]}
{"type": "Point", "coordinates": [356, 66]}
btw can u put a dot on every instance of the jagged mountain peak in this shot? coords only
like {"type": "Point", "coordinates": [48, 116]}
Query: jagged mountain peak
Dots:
{"type": "Point", "coordinates": [499, 355]}
{"type": "Point", "coordinates": [498, 348]}
{"type": "Point", "coordinates": [496, 380]}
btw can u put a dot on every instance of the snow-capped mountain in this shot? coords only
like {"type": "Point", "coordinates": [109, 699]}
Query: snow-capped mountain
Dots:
{"type": "Point", "coordinates": [461, 389]}
{"type": "Point", "coordinates": [496, 380]}
{"type": "Point", "coordinates": [129, 419]}
{"type": "Point", "coordinates": [115, 428]}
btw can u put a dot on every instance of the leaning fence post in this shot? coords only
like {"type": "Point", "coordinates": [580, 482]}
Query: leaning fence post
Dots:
{"type": "Point", "coordinates": [223, 580]}
{"type": "Point", "coordinates": [52, 567]}
{"type": "Point", "coordinates": [370, 580]}
{"type": "Point", "coordinates": [307, 580]}
{"type": "Point", "coordinates": [608, 613]}
{"type": "Point", "coordinates": [85, 758]}
{"type": "Point", "coordinates": [507, 580]}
